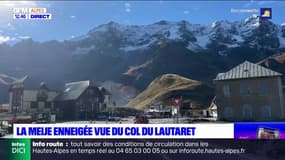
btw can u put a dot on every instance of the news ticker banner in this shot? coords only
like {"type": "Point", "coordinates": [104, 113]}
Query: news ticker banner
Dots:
{"type": "Point", "coordinates": [173, 141]}
{"type": "Point", "coordinates": [123, 131]}
{"type": "Point", "coordinates": [140, 149]}
{"type": "Point", "coordinates": [239, 130]}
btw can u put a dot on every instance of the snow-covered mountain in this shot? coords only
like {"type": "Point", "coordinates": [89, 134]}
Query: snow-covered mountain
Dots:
{"type": "Point", "coordinates": [140, 53]}
{"type": "Point", "coordinates": [251, 32]}
{"type": "Point", "coordinates": [133, 55]}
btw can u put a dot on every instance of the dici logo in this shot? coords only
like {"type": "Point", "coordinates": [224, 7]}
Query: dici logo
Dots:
{"type": "Point", "coordinates": [20, 149]}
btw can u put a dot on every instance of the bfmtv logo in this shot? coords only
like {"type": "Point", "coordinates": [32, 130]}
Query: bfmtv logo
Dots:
{"type": "Point", "coordinates": [265, 13]}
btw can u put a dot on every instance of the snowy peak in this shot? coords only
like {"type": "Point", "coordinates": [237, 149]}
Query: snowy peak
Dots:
{"type": "Point", "coordinates": [226, 25]}
{"type": "Point", "coordinates": [105, 27]}
{"type": "Point", "coordinates": [252, 32]}
{"type": "Point", "coordinates": [252, 21]}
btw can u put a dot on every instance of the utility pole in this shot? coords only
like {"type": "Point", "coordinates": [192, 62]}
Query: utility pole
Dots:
{"type": "Point", "coordinates": [177, 114]}
{"type": "Point", "coordinates": [179, 104]}
{"type": "Point", "coordinates": [172, 113]}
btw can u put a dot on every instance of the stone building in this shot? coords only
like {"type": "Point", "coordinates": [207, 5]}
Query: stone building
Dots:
{"type": "Point", "coordinates": [249, 92]}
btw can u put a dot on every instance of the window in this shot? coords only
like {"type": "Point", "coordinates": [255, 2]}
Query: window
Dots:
{"type": "Point", "coordinates": [247, 112]}
{"type": "Point", "coordinates": [226, 90]}
{"type": "Point", "coordinates": [228, 113]}
{"type": "Point", "coordinates": [48, 105]}
{"type": "Point", "coordinates": [266, 112]}
{"type": "Point", "coordinates": [82, 108]}
{"type": "Point", "coordinates": [244, 89]}
{"type": "Point", "coordinates": [34, 105]}
{"type": "Point", "coordinates": [42, 95]}
{"type": "Point", "coordinates": [41, 104]}
{"type": "Point", "coordinates": [263, 89]}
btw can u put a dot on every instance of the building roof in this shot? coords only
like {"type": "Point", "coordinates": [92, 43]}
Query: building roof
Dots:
{"type": "Point", "coordinates": [73, 90]}
{"type": "Point", "coordinates": [247, 70]}
{"type": "Point", "coordinates": [104, 91]}
{"type": "Point", "coordinates": [43, 85]}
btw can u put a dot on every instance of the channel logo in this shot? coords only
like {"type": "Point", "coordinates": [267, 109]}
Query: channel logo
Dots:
{"type": "Point", "coordinates": [265, 13]}
{"type": "Point", "coordinates": [31, 14]}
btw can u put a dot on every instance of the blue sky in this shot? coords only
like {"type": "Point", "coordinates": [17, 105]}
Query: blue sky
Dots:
{"type": "Point", "coordinates": [75, 18]}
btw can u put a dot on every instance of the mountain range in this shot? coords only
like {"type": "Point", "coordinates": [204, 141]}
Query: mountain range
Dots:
{"type": "Point", "coordinates": [131, 56]}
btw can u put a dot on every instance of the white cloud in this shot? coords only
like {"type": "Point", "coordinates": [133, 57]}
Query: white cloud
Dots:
{"type": "Point", "coordinates": [128, 7]}
{"type": "Point", "coordinates": [186, 12]}
{"type": "Point", "coordinates": [10, 26]}
{"type": "Point", "coordinates": [72, 17]}
{"type": "Point", "coordinates": [24, 37]}
{"type": "Point", "coordinates": [18, 3]}
{"type": "Point", "coordinates": [128, 10]}
{"type": "Point", "coordinates": [4, 39]}
{"type": "Point", "coordinates": [13, 39]}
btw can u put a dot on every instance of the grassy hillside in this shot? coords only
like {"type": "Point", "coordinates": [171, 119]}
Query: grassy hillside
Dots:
{"type": "Point", "coordinates": [172, 85]}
